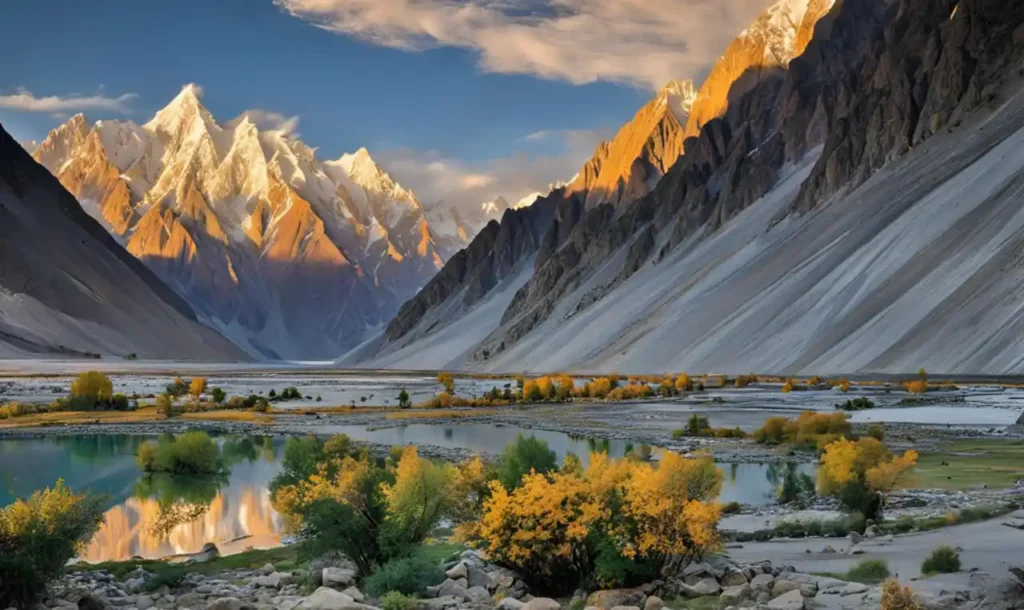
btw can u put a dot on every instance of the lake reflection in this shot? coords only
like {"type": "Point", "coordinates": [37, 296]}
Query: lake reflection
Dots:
{"type": "Point", "coordinates": [153, 515]}
{"type": "Point", "coordinates": [157, 515]}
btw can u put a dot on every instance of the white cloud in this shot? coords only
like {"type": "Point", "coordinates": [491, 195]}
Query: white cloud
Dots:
{"type": "Point", "coordinates": [641, 42]}
{"type": "Point", "coordinates": [24, 100]}
{"type": "Point", "coordinates": [435, 177]}
{"type": "Point", "coordinates": [268, 120]}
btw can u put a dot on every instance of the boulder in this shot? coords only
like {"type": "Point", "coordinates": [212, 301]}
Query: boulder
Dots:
{"type": "Point", "coordinates": [762, 582]}
{"type": "Point", "coordinates": [479, 578]}
{"type": "Point", "coordinates": [338, 578]}
{"type": "Point", "coordinates": [267, 569]}
{"type": "Point", "coordinates": [355, 594]}
{"type": "Point", "coordinates": [510, 603]}
{"type": "Point", "coordinates": [541, 603]}
{"type": "Point", "coordinates": [696, 572]}
{"type": "Point", "coordinates": [653, 603]}
{"type": "Point", "coordinates": [275, 580]}
{"type": "Point", "coordinates": [143, 602]}
{"type": "Point", "coordinates": [855, 537]}
{"type": "Point", "coordinates": [314, 573]}
{"type": "Point", "coordinates": [625, 608]}
{"type": "Point", "coordinates": [611, 598]}
{"type": "Point", "coordinates": [224, 603]}
{"type": "Point", "coordinates": [732, 596]}
{"type": "Point", "coordinates": [733, 578]}
{"type": "Point", "coordinates": [854, 588]}
{"type": "Point", "coordinates": [457, 572]}
{"type": "Point", "coordinates": [702, 588]}
{"type": "Point", "coordinates": [440, 603]}
{"type": "Point", "coordinates": [788, 601]}
{"type": "Point", "coordinates": [326, 598]}
{"type": "Point", "coordinates": [828, 550]}
{"type": "Point", "coordinates": [453, 588]}
{"type": "Point", "coordinates": [479, 595]}
{"type": "Point", "coordinates": [871, 531]}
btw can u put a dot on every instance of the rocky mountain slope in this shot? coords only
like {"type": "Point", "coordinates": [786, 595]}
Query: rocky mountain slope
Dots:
{"type": "Point", "coordinates": [852, 210]}
{"type": "Point", "coordinates": [67, 288]}
{"type": "Point", "coordinates": [290, 256]}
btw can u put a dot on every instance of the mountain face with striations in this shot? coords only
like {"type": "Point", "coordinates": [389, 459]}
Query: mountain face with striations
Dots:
{"type": "Point", "coordinates": [847, 200]}
{"type": "Point", "coordinates": [290, 256]}
{"type": "Point", "coordinates": [68, 289]}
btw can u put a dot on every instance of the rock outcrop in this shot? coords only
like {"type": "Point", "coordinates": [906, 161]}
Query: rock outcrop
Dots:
{"type": "Point", "coordinates": [733, 261]}
{"type": "Point", "coordinates": [67, 288]}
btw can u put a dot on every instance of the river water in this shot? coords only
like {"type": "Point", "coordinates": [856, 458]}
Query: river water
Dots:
{"type": "Point", "coordinates": [159, 515]}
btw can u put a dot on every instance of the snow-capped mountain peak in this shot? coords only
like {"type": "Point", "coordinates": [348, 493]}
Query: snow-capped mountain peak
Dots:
{"type": "Point", "coordinates": [679, 95]}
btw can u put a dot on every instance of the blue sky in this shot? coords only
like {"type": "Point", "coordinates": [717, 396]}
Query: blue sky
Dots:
{"type": "Point", "coordinates": [460, 84]}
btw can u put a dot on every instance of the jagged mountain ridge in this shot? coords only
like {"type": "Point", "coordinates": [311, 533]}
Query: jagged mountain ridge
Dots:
{"type": "Point", "coordinates": [81, 293]}
{"type": "Point", "coordinates": [788, 238]}
{"type": "Point", "coordinates": [291, 256]}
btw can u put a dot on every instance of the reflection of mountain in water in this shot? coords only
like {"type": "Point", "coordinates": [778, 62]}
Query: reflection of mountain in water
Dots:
{"type": "Point", "coordinates": [237, 511]}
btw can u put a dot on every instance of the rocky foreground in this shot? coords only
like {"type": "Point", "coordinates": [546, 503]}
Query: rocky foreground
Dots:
{"type": "Point", "coordinates": [472, 583]}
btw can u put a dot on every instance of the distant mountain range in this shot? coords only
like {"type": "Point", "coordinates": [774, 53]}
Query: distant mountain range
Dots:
{"type": "Point", "coordinates": [289, 256]}
{"type": "Point", "coordinates": [840, 195]}
{"type": "Point", "coordinates": [67, 289]}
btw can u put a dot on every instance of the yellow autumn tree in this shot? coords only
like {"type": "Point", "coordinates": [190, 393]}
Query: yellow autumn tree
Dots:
{"type": "Point", "coordinates": [92, 385]}
{"type": "Point", "coordinates": [419, 495]}
{"type": "Point", "coordinates": [197, 387]}
{"type": "Point", "coordinates": [858, 472]}
{"type": "Point", "coordinates": [558, 527]}
{"type": "Point", "coordinates": [683, 383]}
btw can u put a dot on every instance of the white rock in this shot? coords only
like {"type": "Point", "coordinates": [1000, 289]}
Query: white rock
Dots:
{"type": "Point", "coordinates": [457, 572]}
{"type": "Point", "coordinates": [510, 603]}
{"type": "Point", "coordinates": [702, 588]}
{"type": "Point", "coordinates": [762, 582]}
{"type": "Point", "coordinates": [854, 588]}
{"type": "Point", "coordinates": [326, 598]}
{"type": "Point", "coordinates": [788, 601]}
{"type": "Point", "coordinates": [338, 577]}
{"type": "Point", "coordinates": [732, 596]}
{"type": "Point", "coordinates": [478, 595]}
{"type": "Point", "coordinates": [653, 603]}
{"type": "Point", "coordinates": [355, 594]}
{"type": "Point", "coordinates": [541, 603]}
{"type": "Point", "coordinates": [267, 569]}
{"type": "Point", "coordinates": [224, 603]}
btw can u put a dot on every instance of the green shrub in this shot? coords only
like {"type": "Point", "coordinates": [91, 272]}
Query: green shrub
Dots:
{"type": "Point", "coordinates": [943, 560]}
{"type": "Point", "coordinates": [522, 455]}
{"type": "Point", "coordinates": [796, 486]}
{"type": "Point", "coordinates": [191, 453]}
{"type": "Point", "coordinates": [37, 538]}
{"type": "Point", "coordinates": [403, 399]}
{"type": "Point", "coordinates": [407, 575]}
{"type": "Point", "coordinates": [165, 405]}
{"type": "Point", "coordinates": [876, 431]}
{"type": "Point", "coordinates": [731, 508]}
{"type": "Point", "coordinates": [869, 571]}
{"type": "Point", "coordinates": [218, 395]}
{"type": "Point", "coordinates": [856, 404]}
{"type": "Point", "coordinates": [393, 600]}
{"type": "Point", "coordinates": [696, 425]}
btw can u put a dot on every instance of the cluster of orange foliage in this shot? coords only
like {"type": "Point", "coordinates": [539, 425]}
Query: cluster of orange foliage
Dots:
{"type": "Point", "coordinates": [546, 526]}
{"type": "Point", "coordinates": [895, 597]}
{"type": "Point", "coordinates": [809, 428]}
{"type": "Point", "coordinates": [743, 381]}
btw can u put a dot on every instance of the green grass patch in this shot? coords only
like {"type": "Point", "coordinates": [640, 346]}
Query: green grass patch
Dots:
{"type": "Point", "coordinates": [969, 464]}
{"type": "Point", "coordinates": [284, 558]}
{"type": "Point", "coordinates": [868, 572]}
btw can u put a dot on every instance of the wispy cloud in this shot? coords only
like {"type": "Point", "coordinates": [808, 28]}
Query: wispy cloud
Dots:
{"type": "Point", "coordinates": [435, 177]}
{"type": "Point", "coordinates": [268, 120]}
{"type": "Point", "coordinates": [24, 100]}
{"type": "Point", "coordinates": [641, 42]}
